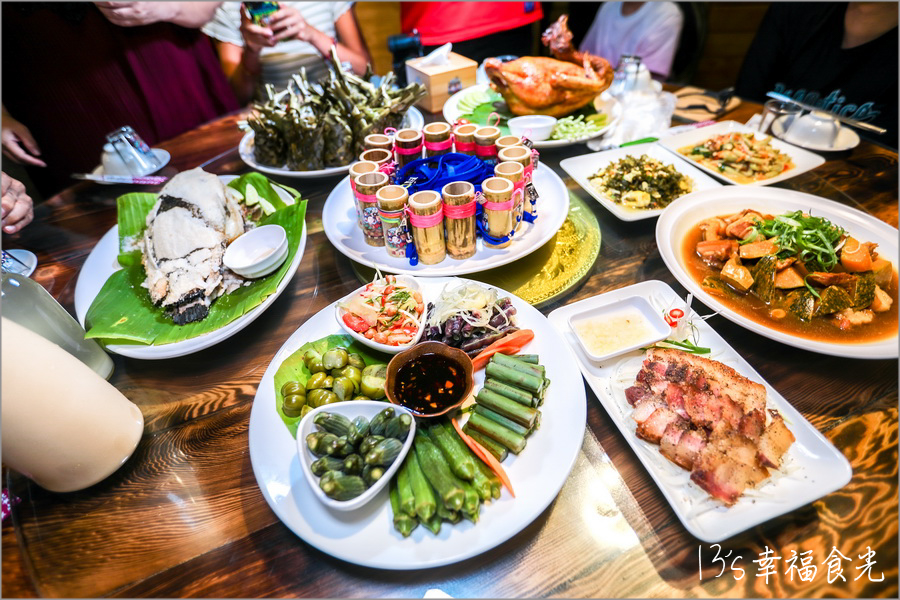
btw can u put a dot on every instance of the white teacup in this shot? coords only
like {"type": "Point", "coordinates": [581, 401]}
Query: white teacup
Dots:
{"type": "Point", "coordinates": [818, 128]}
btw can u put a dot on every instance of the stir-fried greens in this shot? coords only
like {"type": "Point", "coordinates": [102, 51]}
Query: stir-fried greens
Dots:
{"type": "Point", "coordinates": [641, 182]}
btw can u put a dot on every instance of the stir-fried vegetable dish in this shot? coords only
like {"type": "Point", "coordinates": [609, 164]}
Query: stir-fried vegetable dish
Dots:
{"type": "Point", "coordinates": [741, 157]}
{"type": "Point", "coordinates": [797, 269]}
{"type": "Point", "coordinates": [641, 182]}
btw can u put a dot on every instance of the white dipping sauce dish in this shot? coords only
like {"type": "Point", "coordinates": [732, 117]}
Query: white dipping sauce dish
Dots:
{"type": "Point", "coordinates": [536, 128]}
{"type": "Point", "coordinates": [257, 252]}
{"type": "Point", "coordinates": [618, 327]}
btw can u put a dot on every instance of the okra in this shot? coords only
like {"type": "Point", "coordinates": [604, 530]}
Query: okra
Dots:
{"type": "Point", "coordinates": [403, 522]}
{"type": "Point", "coordinates": [459, 461]}
{"type": "Point", "coordinates": [407, 500]}
{"type": "Point", "coordinates": [426, 500]}
{"type": "Point", "coordinates": [438, 472]}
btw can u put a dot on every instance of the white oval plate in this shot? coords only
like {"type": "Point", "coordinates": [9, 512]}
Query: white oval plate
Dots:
{"type": "Point", "coordinates": [412, 119]}
{"type": "Point", "coordinates": [818, 468]}
{"type": "Point", "coordinates": [581, 168]}
{"type": "Point", "coordinates": [603, 103]}
{"type": "Point", "coordinates": [366, 536]}
{"type": "Point", "coordinates": [339, 222]}
{"type": "Point", "coordinates": [846, 138]}
{"type": "Point", "coordinates": [683, 215]}
{"type": "Point", "coordinates": [102, 262]}
{"type": "Point", "coordinates": [803, 159]}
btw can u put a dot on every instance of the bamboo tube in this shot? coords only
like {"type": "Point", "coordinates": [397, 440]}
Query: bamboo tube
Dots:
{"type": "Point", "coordinates": [429, 239]}
{"type": "Point", "coordinates": [380, 141]}
{"type": "Point", "coordinates": [460, 225]}
{"type": "Point", "coordinates": [437, 139]}
{"type": "Point", "coordinates": [498, 222]}
{"type": "Point", "coordinates": [522, 155]}
{"type": "Point", "coordinates": [367, 186]}
{"type": "Point", "coordinates": [379, 156]}
{"type": "Point", "coordinates": [515, 173]}
{"type": "Point", "coordinates": [391, 208]}
{"type": "Point", "coordinates": [464, 138]}
{"type": "Point", "coordinates": [356, 169]}
{"type": "Point", "coordinates": [486, 143]}
{"type": "Point", "coordinates": [508, 141]}
{"type": "Point", "coordinates": [407, 146]}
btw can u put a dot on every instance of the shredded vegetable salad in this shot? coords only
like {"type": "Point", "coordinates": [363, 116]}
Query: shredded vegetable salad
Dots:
{"type": "Point", "coordinates": [386, 311]}
{"type": "Point", "coordinates": [741, 157]}
{"type": "Point", "coordinates": [470, 317]}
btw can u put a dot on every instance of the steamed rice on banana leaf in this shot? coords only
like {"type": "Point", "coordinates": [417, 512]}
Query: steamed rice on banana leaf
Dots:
{"type": "Point", "coordinates": [309, 127]}
{"type": "Point", "coordinates": [173, 285]}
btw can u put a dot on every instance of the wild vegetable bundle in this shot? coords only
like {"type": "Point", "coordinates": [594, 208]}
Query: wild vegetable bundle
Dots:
{"type": "Point", "coordinates": [314, 126]}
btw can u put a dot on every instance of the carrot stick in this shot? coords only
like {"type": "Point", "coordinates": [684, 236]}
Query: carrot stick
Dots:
{"type": "Point", "coordinates": [510, 344]}
{"type": "Point", "coordinates": [484, 455]}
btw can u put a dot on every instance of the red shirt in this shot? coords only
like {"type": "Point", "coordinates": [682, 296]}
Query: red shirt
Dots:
{"type": "Point", "coordinates": [442, 22]}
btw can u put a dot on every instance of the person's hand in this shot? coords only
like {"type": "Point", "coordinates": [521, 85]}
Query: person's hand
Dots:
{"type": "Point", "coordinates": [18, 144]}
{"type": "Point", "coordinates": [289, 24]}
{"type": "Point", "coordinates": [18, 209]}
{"type": "Point", "coordinates": [256, 37]}
{"type": "Point", "coordinates": [132, 14]}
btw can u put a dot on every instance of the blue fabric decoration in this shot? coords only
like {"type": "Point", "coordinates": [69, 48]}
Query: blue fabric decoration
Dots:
{"type": "Point", "coordinates": [434, 172]}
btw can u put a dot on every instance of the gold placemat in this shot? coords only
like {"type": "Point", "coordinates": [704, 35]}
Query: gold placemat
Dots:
{"type": "Point", "coordinates": [683, 99]}
{"type": "Point", "coordinates": [548, 272]}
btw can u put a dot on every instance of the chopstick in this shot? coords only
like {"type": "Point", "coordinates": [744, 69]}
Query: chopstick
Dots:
{"type": "Point", "coordinates": [845, 120]}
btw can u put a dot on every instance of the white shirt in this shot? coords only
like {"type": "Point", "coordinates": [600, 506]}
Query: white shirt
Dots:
{"type": "Point", "coordinates": [287, 57]}
{"type": "Point", "coordinates": [651, 32]}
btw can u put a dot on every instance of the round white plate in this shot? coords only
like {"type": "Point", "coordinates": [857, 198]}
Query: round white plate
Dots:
{"type": "Point", "coordinates": [102, 262]}
{"type": "Point", "coordinates": [339, 222]}
{"type": "Point", "coordinates": [412, 119]}
{"type": "Point", "coordinates": [27, 259]}
{"type": "Point", "coordinates": [162, 155]}
{"type": "Point", "coordinates": [683, 215]}
{"type": "Point", "coordinates": [846, 139]}
{"type": "Point", "coordinates": [366, 536]}
{"type": "Point", "coordinates": [603, 103]}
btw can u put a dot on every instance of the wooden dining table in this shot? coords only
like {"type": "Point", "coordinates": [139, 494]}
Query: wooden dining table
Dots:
{"type": "Point", "coordinates": [185, 516]}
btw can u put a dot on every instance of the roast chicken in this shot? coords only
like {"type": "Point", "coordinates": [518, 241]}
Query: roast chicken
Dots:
{"type": "Point", "coordinates": [550, 86]}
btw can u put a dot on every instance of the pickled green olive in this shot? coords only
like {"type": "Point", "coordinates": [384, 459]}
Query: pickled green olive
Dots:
{"type": "Point", "coordinates": [292, 387]}
{"type": "Point", "coordinates": [356, 360]}
{"type": "Point", "coordinates": [343, 387]}
{"type": "Point", "coordinates": [314, 397]}
{"type": "Point", "coordinates": [293, 404]}
{"type": "Point", "coordinates": [317, 381]}
{"type": "Point", "coordinates": [336, 358]}
{"type": "Point", "coordinates": [315, 365]}
{"type": "Point", "coordinates": [352, 373]}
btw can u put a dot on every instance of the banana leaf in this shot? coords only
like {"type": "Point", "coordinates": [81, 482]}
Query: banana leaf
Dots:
{"type": "Point", "coordinates": [123, 313]}
{"type": "Point", "coordinates": [294, 369]}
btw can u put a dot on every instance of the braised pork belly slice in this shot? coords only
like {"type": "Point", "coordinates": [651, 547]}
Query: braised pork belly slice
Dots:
{"type": "Point", "coordinates": [774, 441]}
{"type": "Point", "coordinates": [727, 466]}
{"type": "Point", "coordinates": [653, 428]}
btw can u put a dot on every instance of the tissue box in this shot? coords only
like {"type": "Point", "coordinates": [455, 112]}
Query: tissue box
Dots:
{"type": "Point", "coordinates": [441, 81]}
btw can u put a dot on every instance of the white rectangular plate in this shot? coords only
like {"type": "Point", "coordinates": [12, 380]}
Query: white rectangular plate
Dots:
{"type": "Point", "coordinates": [580, 168]}
{"type": "Point", "coordinates": [812, 468]}
{"type": "Point", "coordinates": [804, 160]}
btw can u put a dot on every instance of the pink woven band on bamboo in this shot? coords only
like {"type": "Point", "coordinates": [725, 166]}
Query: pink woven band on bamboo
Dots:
{"type": "Point", "coordinates": [390, 131]}
{"type": "Point", "coordinates": [485, 150]}
{"type": "Point", "coordinates": [424, 221]}
{"type": "Point", "coordinates": [460, 211]}
{"type": "Point", "coordinates": [415, 150]}
{"type": "Point", "coordinates": [444, 145]}
{"type": "Point", "coordinates": [353, 185]}
{"type": "Point", "coordinates": [519, 186]}
{"type": "Point", "coordinates": [365, 197]}
{"type": "Point", "coordinates": [518, 193]}
{"type": "Point", "coordinates": [505, 205]}
{"type": "Point", "coordinates": [465, 146]}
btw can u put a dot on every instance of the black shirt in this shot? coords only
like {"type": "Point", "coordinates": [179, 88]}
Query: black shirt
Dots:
{"type": "Point", "coordinates": [797, 52]}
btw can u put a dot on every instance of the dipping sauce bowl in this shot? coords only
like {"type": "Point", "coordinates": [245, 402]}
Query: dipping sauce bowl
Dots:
{"type": "Point", "coordinates": [430, 379]}
{"type": "Point", "coordinates": [257, 252]}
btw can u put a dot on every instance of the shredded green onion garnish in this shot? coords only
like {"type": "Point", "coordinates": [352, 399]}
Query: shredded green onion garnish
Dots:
{"type": "Point", "coordinates": [811, 239]}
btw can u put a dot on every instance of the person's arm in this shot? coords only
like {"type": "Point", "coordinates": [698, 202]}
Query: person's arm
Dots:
{"type": "Point", "coordinates": [131, 14]}
{"type": "Point", "coordinates": [352, 47]}
{"type": "Point", "coordinates": [18, 143]}
{"type": "Point", "coordinates": [242, 68]}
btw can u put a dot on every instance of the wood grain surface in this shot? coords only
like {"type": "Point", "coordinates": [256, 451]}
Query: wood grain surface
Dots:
{"type": "Point", "coordinates": [184, 517]}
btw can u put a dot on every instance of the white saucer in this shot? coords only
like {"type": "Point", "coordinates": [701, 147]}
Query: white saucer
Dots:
{"type": "Point", "coordinates": [846, 139]}
{"type": "Point", "coordinates": [162, 155]}
{"type": "Point", "coordinates": [26, 257]}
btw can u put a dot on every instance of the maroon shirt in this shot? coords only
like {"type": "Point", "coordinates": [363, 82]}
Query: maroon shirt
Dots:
{"type": "Point", "coordinates": [71, 77]}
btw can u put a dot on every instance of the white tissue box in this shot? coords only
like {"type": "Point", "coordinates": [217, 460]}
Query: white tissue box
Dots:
{"type": "Point", "coordinates": [441, 81]}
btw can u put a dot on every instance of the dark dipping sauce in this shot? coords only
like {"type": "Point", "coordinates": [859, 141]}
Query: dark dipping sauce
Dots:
{"type": "Point", "coordinates": [430, 383]}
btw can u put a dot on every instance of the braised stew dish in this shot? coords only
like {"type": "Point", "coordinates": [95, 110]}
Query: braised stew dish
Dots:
{"type": "Point", "coordinates": [795, 273]}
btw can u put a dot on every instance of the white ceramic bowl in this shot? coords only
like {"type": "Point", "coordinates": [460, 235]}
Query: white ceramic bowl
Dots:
{"type": "Point", "coordinates": [646, 327]}
{"type": "Point", "coordinates": [351, 410]}
{"type": "Point", "coordinates": [257, 252]}
{"type": "Point", "coordinates": [817, 128]}
{"type": "Point", "coordinates": [408, 281]}
{"type": "Point", "coordinates": [536, 128]}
